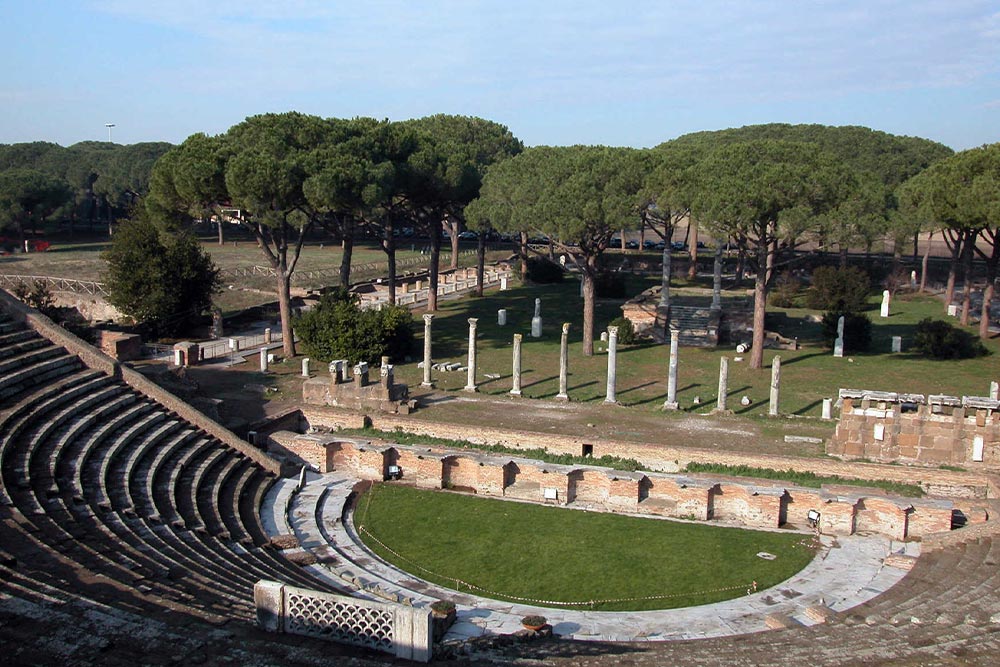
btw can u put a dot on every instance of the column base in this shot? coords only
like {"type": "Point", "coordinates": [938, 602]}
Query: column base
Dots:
{"type": "Point", "coordinates": [721, 411]}
{"type": "Point", "coordinates": [562, 397]}
{"type": "Point", "coordinates": [470, 388]}
{"type": "Point", "coordinates": [610, 401]}
{"type": "Point", "coordinates": [514, 392]}
{"type": "Point", "coordinates": [428, 385]}
{"type": "Point", "coordinates": [671, 405]}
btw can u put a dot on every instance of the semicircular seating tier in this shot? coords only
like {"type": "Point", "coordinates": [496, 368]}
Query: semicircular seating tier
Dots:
{"type": "Point", "coordinates": [132, 533]}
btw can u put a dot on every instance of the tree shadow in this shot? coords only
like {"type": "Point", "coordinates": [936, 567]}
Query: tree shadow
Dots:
{"type": "Point", "coordinates": [803, 410]}
{"type": "Point", "coordinates": [803, 357]}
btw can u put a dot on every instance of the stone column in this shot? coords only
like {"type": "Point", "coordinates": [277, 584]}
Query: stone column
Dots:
{"type": "Point", "coordinates": [470, 384]}
{"type": "Point", "coordinates": [671, 402]}
{"type": "Point", "coordinates": [717, 277]}
{"type": "Point", "coordinates": [827, 408]}
{"type": "Point", "coordinates": [305, 367]}
{"type": "Point", "coordinates": [267, 336]}
{"type": "Point", "coordinates": [720, 404]}
{"type": "Point", "coordinates": [612, 361]}
{"type": "Point", "coordinates": [838, 344]}
{"type": "Point", "coordinates": [995, 390]}
{"type": "Point", "coordinates": [563, 363]}
{"type": "Point", "coordinates": [884, 308]}
{"type": "Point", "coordinates": [516, 389]}
{"type": "Point", "coordinates": [502, 317]}
{"type": "Point", "coordinates": [536, 321]}
{"type": "Point", "coordinates": [263, 360]}
{"type": "Point", "coordinates": [428, 382]}
{"type": "Point", "coordinates": [772, 408]}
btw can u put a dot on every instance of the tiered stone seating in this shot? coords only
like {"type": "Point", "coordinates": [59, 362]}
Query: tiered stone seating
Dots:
{"type": "Point", "coordinates": [127, 535]}
{"type": "Point", "coordinates": [101, 484]}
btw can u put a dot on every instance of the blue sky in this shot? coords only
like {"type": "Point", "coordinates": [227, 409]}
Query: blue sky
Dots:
{"type": "Point", "coordinates": [554, 71]}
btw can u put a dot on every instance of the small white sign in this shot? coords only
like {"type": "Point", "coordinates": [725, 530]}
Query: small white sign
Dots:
{"type": "Point", "coordinates": [551, 494]}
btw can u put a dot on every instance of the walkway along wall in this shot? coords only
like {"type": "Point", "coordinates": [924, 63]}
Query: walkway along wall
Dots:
{"type": "Point", "coordinates": [592, 487]}
{"type": "Point", "coordinates": [659, 456]}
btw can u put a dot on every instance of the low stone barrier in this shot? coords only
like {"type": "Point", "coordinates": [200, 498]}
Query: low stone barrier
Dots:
{"type": "Point", "coordinates": [392, 628]}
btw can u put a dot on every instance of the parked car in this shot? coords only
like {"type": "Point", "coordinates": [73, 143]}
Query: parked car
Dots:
{"type": "Point", "coordinates": [632, 244]}
{"type": "Point", "coordinates": [468, 236]}
{"type": "Point", "coordinates": [678, 246]}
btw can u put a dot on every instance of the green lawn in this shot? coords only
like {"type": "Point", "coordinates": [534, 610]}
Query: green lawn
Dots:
{"type": "Point", "coordinates": [517, 550]}
{"type": "Point", "coordinates": [809, 374]}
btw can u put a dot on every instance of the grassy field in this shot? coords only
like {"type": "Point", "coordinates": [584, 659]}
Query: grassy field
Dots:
{"type": "Point", "coordinates": [80, 258]}
{"type": "Point", "coordinates": [808, 374]}
{"type": "Point", "coordinates": [518, 550]}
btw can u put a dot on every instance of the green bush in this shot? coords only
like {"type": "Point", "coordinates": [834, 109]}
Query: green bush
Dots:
{"type": "Point", "coordinates": [626, 332]}
{"type": "Point", "coordinates": [610, 285]}
{"type": "Point", "coordinates": [940, 340]}
{"type": "Point", "coordinates": [337, 328]}
{"type": "Point", "coordinates": [840, 290]}
{"type": "Point", "coordinates": [544, 272]}
{"type": "Point", "coordinates": [785, 290]}
{"type": "Point", "coordinates": [857, 330]}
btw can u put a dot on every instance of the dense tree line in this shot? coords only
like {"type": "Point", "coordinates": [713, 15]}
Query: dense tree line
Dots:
{"type": "Point", "coordinates": [93, 182]}
{"type": "Point", "coordinates": [765, 189]}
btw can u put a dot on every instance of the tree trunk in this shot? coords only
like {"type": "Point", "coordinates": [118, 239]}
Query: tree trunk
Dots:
{"type": "Point", "coordinates": [453, 231]}
{"type": "Point", "coordinates": [693, 249]}
{"type": "Point", "coordinates": [759, 307]}
{"type": "Point", "coordinates": [843, 256]}
{"type": "Point", "coordinates": [916, 245]}
{"type": "Point", "coordinates": [347, 253]}
{"type": "Point", "coordinates": [968, 243]}
{"type": "Point", "coordinates": [642, 235]}
{"type": "Point", "coordinates": [480, 262]}
{"type": "Point", "coordinates": [389, 246]}
{"type": "Point", "coordinates": [221, 222]}
{"type": "Point", "coordinates": [285, 311]}
{"type": "Point", "coordinates": [741, 264]}
{"type": "Point", "coordinates": [523, 252]}
{"type": "Point", "coordinates": [433, 269]}
{"type": "Point", "coordinates": [924, 262]}
{"type": "Point", "coordinates": [588, 306]}
{"type": "Point", "coordinates": [955, 245]}
{"type": "Point", "coordinates": [984, 319]}
{"type": "Point", "coordinates": [665, 278]}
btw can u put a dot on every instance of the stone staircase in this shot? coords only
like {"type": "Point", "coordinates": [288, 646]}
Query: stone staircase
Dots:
{"type": "Point", "coordinates": [698, 325]}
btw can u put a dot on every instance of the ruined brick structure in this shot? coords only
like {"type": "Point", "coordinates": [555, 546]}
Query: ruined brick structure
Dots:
{"type": "Point", "coordinates": [359, 393]}
{"type": "Point", "coordinates": [918, 429]}
{"type": "Point", "coordinates": [749, 503]}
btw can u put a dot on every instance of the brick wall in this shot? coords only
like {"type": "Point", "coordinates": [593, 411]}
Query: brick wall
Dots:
{"type": "Point", "coordinates": [882, 431]}
{"type": "Point", "coordinates": [729, 500]}
{"type": "Point", "coordinates": [657, 457]}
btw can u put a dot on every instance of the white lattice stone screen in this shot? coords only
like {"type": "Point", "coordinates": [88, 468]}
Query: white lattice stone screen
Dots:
{"type": "Point", "coordinates": [393, 628]}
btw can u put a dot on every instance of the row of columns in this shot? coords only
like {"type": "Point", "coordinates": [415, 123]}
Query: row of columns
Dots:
{"type": "Point", "coordinates": [612, 375]}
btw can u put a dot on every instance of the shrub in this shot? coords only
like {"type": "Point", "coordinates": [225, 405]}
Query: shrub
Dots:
{"type": "Point", "coordinates": [38, 296]}
{"type": "Point", "coordinates": [626, 332]}
{"type": "Point", "coordinates": [543, 272]}
{"type": "Point", "coordinates": [785, 290]}
{"type": "Point", "coordinates": [337, 328]}
{"type": "Point", "coordinates": [841, 290]}
{"type": "Point", "coordinates": [443, 606]}
{"type": "Point", "coordinates": [609, 285]}
{"type": "Point", "coordinates": [533, 621]}
{"type": "Point", "coordinates": [857, 330]}
{"type": "Point", "coordinates": [940, 340]}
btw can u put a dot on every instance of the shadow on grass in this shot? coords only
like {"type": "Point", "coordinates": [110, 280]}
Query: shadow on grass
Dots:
{"type": "Point", "coordinates": [803, 410]}
{"type": "Point", "coordinates": [803, 357]}
{"type": "Point", "coordinates": [541, 381]}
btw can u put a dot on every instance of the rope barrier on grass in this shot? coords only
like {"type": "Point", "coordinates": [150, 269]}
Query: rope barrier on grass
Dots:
{"type": "Point", "coordinates": [750, 588]}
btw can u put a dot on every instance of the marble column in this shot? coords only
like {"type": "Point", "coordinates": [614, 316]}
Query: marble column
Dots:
{"type": "Point", "coordinates": [671, 402]}
{"type": "Point", "coordinates": [563, 363]}
{"type": "Point", "coordinates": [720, 405]}
{"type": "Point", "coordinates": [470, 384]}
{"type": "Point", "coordinates": [305, 367]}
{"type": "Point", "coordinates": [612, 361]}
{"type": "Point", "coordinates": [428, 382]}
{"type": "Point", "coordinates": [263, 360]}
{"type": "Point", "coordinates": [772, 408]}
{"type": "Point", "coordinates": [516, 371]}
{"type": "Point", "coordinates": [717, 277]}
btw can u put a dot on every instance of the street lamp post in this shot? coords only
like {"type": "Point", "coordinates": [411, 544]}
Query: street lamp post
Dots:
{"type": "Point", "coordinates": [109, 126]}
